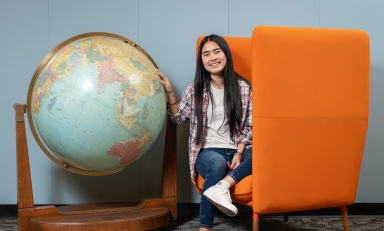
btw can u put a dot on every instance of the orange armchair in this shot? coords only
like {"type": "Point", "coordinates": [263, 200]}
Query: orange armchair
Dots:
{"type": "Point", "coordinates": [310, 117]}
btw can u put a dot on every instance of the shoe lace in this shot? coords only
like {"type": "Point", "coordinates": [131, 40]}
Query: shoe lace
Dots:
{"type": "Point", "coordinates": [226, 194]}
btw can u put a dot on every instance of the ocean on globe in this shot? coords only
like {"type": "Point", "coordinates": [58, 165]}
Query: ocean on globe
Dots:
{"type": "Point", "coordinates": [96, 104]}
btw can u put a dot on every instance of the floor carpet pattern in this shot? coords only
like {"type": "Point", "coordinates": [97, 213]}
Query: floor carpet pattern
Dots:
{"type": "Point", "coordinates": [268, 223]}
{"type": "Point", "coordinates": [328, 223]}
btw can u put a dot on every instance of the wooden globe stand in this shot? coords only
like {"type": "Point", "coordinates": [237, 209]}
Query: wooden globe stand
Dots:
{"type": "Point", "coordinates": [149, 214]}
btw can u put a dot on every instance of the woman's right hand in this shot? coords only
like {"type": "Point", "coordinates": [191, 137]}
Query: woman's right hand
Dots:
{"type": "Point", "coordinates": [165, 81]}
{"type": "Point", "coordinates": [172, 100]}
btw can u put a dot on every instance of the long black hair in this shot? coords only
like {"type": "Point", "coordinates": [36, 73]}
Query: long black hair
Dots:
{"type": "Point", "coordinates": [232, 94]}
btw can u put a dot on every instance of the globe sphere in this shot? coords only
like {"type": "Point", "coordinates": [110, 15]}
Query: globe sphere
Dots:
{"type": "Point", "coordinates": [96, 104]}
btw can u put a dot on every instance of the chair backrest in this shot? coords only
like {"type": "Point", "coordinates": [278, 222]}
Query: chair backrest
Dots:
{"type": "Point", "coordinates": [310, 116]}
{"type": "Point", "coordinates": [241, 50]}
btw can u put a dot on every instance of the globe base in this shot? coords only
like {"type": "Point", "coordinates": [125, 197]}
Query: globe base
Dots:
{"type": "Point", "coordinates": [124, 218]}
{"type": "Point", "coordinates": [149, 214]}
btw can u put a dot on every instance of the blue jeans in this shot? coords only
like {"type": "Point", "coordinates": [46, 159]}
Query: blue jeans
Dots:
{"type": "Point", "coordinates": [211, 164]}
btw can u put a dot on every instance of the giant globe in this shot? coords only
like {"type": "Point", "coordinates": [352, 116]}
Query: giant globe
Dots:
{"type": "Point", "coordinates": [96, 104]}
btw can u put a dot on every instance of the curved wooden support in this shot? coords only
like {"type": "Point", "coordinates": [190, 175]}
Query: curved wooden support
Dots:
{"type": "Point", "coordinates": [169, 176]}
{"type": "Point", "coordinates": [24, 186]}
{"type": "Point", "coordinates": [25, 202]}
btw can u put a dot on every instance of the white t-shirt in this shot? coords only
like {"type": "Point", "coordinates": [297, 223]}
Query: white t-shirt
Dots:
{"type": "Point", "coordinates": [216, 133]}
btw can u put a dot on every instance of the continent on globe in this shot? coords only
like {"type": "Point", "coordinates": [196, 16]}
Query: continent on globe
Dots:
{"type": "Point", "coordinates": [128, 151]}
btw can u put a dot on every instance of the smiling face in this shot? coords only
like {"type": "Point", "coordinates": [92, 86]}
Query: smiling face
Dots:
{"type": "Point", "coordinates": [213, 58]}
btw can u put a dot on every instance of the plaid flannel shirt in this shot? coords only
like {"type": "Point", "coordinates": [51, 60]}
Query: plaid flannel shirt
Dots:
{"type": "Point", "coordinates": [186, 112]}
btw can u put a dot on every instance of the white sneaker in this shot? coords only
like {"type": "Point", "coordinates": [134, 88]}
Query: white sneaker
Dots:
{"type": "Point", "coordinates": [221, 198]}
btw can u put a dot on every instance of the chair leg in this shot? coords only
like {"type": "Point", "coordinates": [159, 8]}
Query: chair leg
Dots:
{"type": "Point", "coordinates": [255, 224]}
{"type": "Point", "coordinates": [286, 217]}
{"type": "Point", "coordinates": [344, 214]}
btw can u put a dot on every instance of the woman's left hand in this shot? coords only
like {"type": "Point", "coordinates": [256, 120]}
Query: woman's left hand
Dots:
{"type": "Point", "coordinates": [235, 162]}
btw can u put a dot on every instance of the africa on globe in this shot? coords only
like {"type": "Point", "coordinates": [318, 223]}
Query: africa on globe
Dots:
{"type": "Point", "coordinates": [96, 104]}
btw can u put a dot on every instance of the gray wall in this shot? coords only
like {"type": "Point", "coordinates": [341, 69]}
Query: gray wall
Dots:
{"type": "Point", "coordinates": [167, 30]}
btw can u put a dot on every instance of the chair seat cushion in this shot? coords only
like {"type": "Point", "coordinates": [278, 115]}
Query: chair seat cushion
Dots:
{"type": "Point", "coordinates": [240, 193]}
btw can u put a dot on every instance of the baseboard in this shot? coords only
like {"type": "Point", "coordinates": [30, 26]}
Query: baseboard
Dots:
{"type": "Point", "coordinates": [8, 210]}
{"type": "Point", "coordinates": [192, 210]}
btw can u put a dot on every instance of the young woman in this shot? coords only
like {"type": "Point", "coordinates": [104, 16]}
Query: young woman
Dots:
{"type": "Point", "coordinates": [218, 104]}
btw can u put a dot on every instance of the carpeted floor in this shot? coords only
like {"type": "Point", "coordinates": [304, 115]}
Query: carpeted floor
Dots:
{"type": "Point", "coordinates": [357, 223]}
{"type": "Point", "coordinates": [268, 223]}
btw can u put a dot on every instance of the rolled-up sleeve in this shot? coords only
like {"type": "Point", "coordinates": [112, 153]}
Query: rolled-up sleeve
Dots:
{"type": "Point", "coordinates": [184, 108]}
